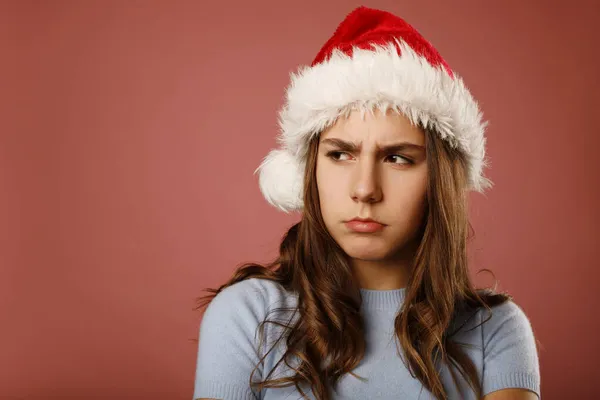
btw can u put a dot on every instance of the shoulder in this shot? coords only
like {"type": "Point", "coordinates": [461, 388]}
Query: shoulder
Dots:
{"type": "Point", "coordinates": [229, 347]}
{"type": "Point", "coordinates": [504, 346]}
{"type": "Point", "coordinates": [505, 319]}
{"type": "Point", "coordinates": [251, 298]}
{"type": "Point", "coordinates": [510, 353]}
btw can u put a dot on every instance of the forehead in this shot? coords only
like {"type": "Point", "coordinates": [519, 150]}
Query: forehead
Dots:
{"type": "Point", "coordinates": [375, 126]}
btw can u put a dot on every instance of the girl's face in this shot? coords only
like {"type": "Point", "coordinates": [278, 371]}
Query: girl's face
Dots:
{"type": "Point", "coordinates": [374, 168]}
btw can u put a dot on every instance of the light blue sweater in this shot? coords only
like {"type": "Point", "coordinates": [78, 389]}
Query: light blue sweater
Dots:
{"type": "Point", "coordinates": [504, 349]}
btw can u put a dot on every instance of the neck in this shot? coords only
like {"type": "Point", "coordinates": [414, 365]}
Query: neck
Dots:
{"type": "Point", "coordinates": [381, 275]}
{"type": "Point", "coordinates": [386, 274]}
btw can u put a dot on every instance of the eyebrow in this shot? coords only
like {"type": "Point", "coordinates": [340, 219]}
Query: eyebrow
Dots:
{"type": "Point", "coordinates": [354, 148]}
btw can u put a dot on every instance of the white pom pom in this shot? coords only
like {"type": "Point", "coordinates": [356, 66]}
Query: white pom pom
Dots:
{"type": "Point", "coordinates": [281, 180]}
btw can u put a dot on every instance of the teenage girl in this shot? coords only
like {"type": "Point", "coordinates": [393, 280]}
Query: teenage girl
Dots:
{"type": "Point", "coordinates": [370, 297]}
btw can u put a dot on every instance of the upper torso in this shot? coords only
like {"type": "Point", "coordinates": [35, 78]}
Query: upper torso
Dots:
{"type": "Point", "coordinates": [501, 349]}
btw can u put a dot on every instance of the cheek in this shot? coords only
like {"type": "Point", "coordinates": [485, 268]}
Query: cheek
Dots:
{"type": "Point", "coordinates": [409, 202]}
{"type": "Point", "coordinates": [331, 189]}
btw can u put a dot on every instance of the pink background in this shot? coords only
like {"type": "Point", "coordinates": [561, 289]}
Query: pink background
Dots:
{"type": "Point", "coordinates": [129, 134]}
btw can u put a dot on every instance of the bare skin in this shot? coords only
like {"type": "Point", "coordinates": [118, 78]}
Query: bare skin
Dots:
{"type": "Point", "coordinates": [360, 175]}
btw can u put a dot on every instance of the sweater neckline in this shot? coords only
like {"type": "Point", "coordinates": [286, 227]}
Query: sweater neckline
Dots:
{"type": "Point", "coordinates": [382, 299]}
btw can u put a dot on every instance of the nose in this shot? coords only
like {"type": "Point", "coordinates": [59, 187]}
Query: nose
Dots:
{"type": "Point", "coordinates": [366, 187]}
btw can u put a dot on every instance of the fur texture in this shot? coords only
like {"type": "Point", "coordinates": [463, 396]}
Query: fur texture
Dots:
{"type": "Point", "coordinates": [377, 78]}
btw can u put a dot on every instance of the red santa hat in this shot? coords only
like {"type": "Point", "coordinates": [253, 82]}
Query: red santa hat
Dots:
{"type": "Point", "coordinates": [373, 60]}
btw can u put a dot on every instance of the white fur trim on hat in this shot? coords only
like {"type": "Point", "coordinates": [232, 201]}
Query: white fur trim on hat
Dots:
{"type": "Point", "coordinates": [379, 78]}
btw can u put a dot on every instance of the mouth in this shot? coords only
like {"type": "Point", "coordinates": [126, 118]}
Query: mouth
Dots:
{"type": "Point", "coordinates": [364, 225]}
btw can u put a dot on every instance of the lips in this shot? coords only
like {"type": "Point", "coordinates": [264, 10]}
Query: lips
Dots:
{"type": "Point", "coordinates": [364, 225]}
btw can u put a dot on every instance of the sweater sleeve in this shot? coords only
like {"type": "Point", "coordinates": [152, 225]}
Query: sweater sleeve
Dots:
{"type": "Point", "coordinates": [510, 354]}
{"type": "Point", "coordinates": [228, 344]}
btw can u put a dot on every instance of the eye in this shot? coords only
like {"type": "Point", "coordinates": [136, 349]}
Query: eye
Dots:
{"type": "Point", "coordinates": [398, 159]}
{"type": "Point", "coordinates": [338, 155]}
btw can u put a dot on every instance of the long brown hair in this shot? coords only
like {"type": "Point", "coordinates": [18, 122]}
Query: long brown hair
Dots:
{"type": "Point", "coordinates": [313, 266]}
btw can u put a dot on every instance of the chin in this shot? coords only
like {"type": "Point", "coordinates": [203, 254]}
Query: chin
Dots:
{"type": "Point", "coordinates": [367, 249]}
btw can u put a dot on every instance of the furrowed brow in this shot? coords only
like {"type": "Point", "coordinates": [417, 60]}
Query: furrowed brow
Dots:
{"type": "Point", "coordinates": [353, 147]}
{"type": "Point", "coordinates": [399, 147]}
{"type": "Point", "coordinates": [342, 144]}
